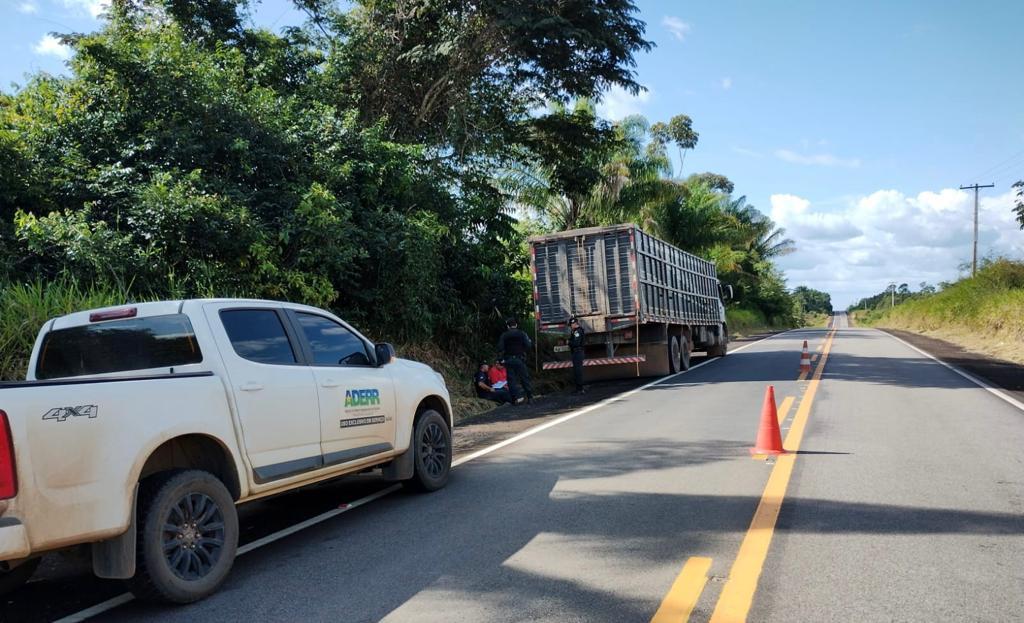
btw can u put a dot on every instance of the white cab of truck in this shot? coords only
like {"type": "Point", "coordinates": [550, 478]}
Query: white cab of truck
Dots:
{"type": "Point", "coordinates": [139, 428]}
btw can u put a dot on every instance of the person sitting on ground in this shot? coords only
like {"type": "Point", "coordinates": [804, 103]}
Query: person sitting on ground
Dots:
{"type": "Point", "coordinates": [482, 384]}
{"type": "Point", "coordinates": [498, 376]}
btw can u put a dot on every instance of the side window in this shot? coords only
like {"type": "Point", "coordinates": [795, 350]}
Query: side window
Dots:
{"type": "Point", "coordinates": [332, 344]}
{"type": "Point", "coordinates": [258, 335]}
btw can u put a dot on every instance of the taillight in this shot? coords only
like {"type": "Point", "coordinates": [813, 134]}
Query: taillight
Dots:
{"type": "Point", "coordinates": [8, 471]}
{"type": "Point", "coordinates": [114, 314]}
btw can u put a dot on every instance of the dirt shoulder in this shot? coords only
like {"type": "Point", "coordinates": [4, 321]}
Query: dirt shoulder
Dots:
{"type": "Point", "coordinates": [1006, 375]}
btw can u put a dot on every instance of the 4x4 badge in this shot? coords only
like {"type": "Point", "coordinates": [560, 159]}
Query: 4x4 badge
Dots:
{"type": "Point", "coordinates": [62, 413]}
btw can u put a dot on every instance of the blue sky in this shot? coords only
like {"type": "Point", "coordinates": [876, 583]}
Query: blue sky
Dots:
{"type": "Point", "coordinates": [851, 124]}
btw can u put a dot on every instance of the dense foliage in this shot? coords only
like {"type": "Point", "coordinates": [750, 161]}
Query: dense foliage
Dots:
{"type": "Point", "coordinates": [811, 300]}
{"type": "Point", "coordinates": [349, 163]}
{"type": "Point", "coordinates": [370, 161]}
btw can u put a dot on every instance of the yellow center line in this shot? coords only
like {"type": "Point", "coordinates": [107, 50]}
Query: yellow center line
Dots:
{"type": "Point", "coordinates": [738, 593]}
{"type": "Point", "coordinates": [803, 376]}
{"type": "Point", "coordinates": [787, 402]}
{"type": "Point", "coordinates": [685, 591]}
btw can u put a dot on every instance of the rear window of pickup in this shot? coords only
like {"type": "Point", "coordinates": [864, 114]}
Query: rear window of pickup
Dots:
{"type": "Point", "coordinates": [118, 346]}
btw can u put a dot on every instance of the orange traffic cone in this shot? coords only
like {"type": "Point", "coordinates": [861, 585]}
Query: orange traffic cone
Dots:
{"type": "Point", "coordinates": [769, 437]}
{"type": "Point", "coordinates": [805, 359]}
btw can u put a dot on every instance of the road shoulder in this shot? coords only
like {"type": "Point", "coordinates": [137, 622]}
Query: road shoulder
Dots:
{"type": "Point", "coordinates": [1005, 375]}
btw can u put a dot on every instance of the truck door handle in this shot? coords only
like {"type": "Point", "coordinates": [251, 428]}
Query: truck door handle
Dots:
{"type": "Point", "coordinates": [329, 383]}
{"type": "Point", "coordinates": [250, 387]}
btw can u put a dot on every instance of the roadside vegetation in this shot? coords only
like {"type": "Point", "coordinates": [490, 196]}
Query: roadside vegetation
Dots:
{"type": "Point", "coordinates": [382, 163]}
{"type": "Point", "coordinates": [984, 313]}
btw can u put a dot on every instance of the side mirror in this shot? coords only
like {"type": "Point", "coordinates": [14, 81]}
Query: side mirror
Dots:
{"type": "Point", "coordinates": [727, 293]}
{"type": "Point", "coordinates": [385, 353]}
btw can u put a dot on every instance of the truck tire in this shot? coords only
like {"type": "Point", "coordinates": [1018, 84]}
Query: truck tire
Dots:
{"type": "Point", "coordinates": [432, 443]}
{"type": "Point", "coordinates": [187, 536]}
{"type": "Point", "coordinates": [685, 351]}
{"type": "Point", "coordinates": [674, 355]}
{"type": "Point", "coordinates": [18, 576]}
{"type": "Point", "coordinates": [720, 349]}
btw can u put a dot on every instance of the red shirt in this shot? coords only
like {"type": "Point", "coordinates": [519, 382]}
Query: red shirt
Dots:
{"type": "Point", "coordinates": [495, 374]}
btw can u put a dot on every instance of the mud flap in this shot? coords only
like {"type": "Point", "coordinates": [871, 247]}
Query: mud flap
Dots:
{"type": "Point", "coordinates": [115, 558]}
{"type": "Point", "coordinates": [401, 467]}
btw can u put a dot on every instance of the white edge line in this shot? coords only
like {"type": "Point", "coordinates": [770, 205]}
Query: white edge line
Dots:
{"type": "Point", "coordinates": [967, 375]}
{"type": "Point", "coordinates": [124, 598]}
{"type": "Point", "coordinates": [99, 608]}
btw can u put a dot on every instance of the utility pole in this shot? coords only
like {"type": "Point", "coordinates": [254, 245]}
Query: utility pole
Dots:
{"type": "Point", "coordinates": [892, 288]}
{"type": "Point", "coordinates": [974, 264]}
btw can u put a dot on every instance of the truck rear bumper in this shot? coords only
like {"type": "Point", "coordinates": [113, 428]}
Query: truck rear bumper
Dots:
{"type": "Point", "coordinates": [13, 539]}
{"type": "Point", "coordinates": [603, 361]}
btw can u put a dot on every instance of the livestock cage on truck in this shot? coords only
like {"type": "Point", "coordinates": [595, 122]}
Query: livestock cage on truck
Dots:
{"type": "Point", "coordinates": [645, 305]}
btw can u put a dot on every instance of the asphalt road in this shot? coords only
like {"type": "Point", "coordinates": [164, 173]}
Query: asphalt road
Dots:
{"type": "Point", "coordinates": [903, 501]}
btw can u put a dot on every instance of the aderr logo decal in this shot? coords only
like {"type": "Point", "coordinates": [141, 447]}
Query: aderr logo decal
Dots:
{"type": "Point", "coordinates": [362, 398]}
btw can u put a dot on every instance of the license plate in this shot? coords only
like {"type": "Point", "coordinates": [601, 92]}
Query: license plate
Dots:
{"type": "Point", "coordinates": [561, 349]}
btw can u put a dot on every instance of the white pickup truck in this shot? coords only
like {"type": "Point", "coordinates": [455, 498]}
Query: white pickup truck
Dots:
{"type": "Point", "coordinates": [139, 429]}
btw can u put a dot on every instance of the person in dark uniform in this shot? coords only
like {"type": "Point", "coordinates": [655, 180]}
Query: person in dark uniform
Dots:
{"type": "Point", "coordinates": [512, 347]}
{"type": "Point", "coordinates": [576, 335]}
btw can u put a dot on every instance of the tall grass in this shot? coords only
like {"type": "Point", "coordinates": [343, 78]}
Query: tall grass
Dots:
{"type": "Point", "coordinates": [987, 308]}
{"type": "Point", "coordinates": [24, 307]}
{"type": "Point", "coordinates": [745, 321]}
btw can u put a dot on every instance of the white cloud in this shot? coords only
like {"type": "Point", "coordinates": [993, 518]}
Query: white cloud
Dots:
{"type": "Point", "coordinates": [28, 7]}
{"type": "Point", "coordinates": [52, 46]}
{"type": "Point", "coordinates": [743, 151]}
{"type": "Point", "coordinates": [824, 160]}
{"type": "Point", "coordinates": [676, 26]}
{"type": "Point", "coordinates": [726, 83]}
{"type": "Point", "coordinates": [618, 103]}
{"type": "Point", "coordinates": [887, 236]}
{"type": "Point", "coordinates": [93, 8]}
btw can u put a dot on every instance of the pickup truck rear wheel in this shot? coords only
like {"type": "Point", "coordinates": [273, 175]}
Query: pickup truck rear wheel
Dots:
{"type": "Point", "coordinates": [432, 443]}
{"type": "Point", "coordinates": [16, 577]}
{"type": "Point", "coordinates": [188, 535]}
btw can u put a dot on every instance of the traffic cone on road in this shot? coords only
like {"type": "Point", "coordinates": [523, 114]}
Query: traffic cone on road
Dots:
{"type": "Point", "coordinates": [769, 437]}
{"type": "Point", "coordinates": [805, 359]}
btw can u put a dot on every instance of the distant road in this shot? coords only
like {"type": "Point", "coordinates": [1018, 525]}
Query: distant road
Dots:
{"type": "Point", "coordinates": [840, 320]}
{"type": "Point", "coordinates": [904, 502]}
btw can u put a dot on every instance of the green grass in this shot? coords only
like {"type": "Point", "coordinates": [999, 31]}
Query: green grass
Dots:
{"type": "Point", "coordinates": [24, 307]}
{"type": "Point", "coordinates": [744, 322]}
{"type": "Point", "coordinates": [985, 311]}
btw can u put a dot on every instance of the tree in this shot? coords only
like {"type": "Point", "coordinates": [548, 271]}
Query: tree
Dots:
{"type": "Point", "coordinates": [1019, 207]}
{"type": "Point", "coordinates": [678, 130]}
{"type": "Point", "coordinates": [812, 300]}
{"type": "Point", "coordinates": [714, 181]}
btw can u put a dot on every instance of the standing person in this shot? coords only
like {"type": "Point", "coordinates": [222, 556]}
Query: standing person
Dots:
{"type": "Point", "coordinates": [512, 347]}
{"type": "Point", "coordinates": [485, 390]}
{"type": "Point", "coordinates": [576, 335]}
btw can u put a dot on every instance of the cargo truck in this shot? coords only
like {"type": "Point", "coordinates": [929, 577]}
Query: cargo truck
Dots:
{"type": "Point", "coordinates": [645, 305]}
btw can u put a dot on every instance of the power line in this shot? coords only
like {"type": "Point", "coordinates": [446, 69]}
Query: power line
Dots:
{"type": "Point", "coordinates": [974, 264]}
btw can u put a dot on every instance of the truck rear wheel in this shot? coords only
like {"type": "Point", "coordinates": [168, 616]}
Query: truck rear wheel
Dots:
{"type": "Point", "coordinates": [674, 355]}
{"type": "Point", "coordinates": [685, 352]}
{"type": "Point", "coordinates": [187, 536]}
{"type": "Point", "coordinates": [432, 444]}
{"type": "Point", "coordinates": [15, 578]}
{"type": "Point", "coordinates": [720, 349]}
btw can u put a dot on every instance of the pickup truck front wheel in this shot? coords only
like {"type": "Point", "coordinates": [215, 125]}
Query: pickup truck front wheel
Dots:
{"type": "Point", "coordinates": [188, 535]}
{"type": "Point", "coordinates": [432, 442]}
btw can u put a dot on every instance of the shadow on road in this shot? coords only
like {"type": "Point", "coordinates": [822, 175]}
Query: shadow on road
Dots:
{"type": "Point", "coordinates": [492, 539]}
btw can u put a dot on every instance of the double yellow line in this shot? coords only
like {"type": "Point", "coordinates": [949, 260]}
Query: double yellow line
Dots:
{"type": "Point", "coordinates": [738, 593]}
